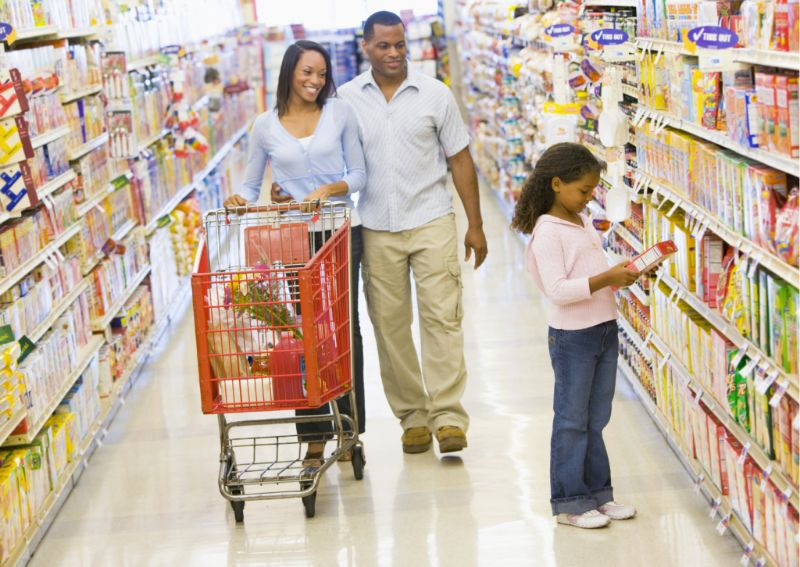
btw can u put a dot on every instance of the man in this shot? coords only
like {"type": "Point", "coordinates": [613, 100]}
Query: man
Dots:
{"type": "Point", "coordinates": [411, 129]}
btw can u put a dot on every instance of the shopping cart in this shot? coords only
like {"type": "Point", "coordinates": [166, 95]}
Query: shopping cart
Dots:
{"type": "Point", "coordinates": [271, 299]}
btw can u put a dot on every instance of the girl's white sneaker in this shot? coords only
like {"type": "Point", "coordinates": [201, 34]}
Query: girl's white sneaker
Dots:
{"type": "Point", "coordinates": [590, 520]}
{"type": "Point", "coordinates": [617, 511]}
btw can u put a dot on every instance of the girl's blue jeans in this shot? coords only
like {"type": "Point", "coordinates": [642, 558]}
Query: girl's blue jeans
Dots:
{"type": "Point", "coordinates": [585, 367]}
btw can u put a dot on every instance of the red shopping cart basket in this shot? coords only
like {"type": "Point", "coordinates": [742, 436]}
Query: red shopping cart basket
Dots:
{"type": "Point", "coordinates": [271, 299]}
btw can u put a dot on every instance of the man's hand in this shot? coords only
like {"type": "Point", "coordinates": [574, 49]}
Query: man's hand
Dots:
{"type": "Point", "coordinates": [278, 196]}
{"type": "Point", "coordinates": [475, 241]}
{"type": "Point", "coordinates": [235, 201]}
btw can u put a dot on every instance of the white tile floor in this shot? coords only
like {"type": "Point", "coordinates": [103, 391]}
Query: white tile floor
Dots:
{"type": "Point", "coordinates": [149, 496]}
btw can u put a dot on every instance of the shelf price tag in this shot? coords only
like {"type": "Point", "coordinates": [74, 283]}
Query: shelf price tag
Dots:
{"type": "Point", "coordinates": [762, 386]}
{"type": "Point", "coordinates": [743, 457]}
{"type": "Point", "coordinates": [674, 208]}
{"type": "Point", "coordinates": [750, 366]}
{"type": "Point", "coordinates": [778, 396]}
{"type": "Point", "coordinates": [698, 482]}
{"type": "Point", "coordinates": [751, 273]}
{"type": "Point", "coordinates": [664, 361]}
{"type": "Point", "coordinates": [740, 354]}
{"type": "Point", "coordinates": [748, 553]}
{"type": "Point", "coordinates": [765, 477]}
{"type": "Point", "coordinates": [715, 508]}
{"type": "Point", "coordinates": [698, 396]}
{"type": "Point", "coordinates": [647, 339]}
{"type": "Point", "coordinates": [722, 527]}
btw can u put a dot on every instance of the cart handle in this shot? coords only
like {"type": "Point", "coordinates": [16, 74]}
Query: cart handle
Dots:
{"type": "Point", "coordinates": [306, 206]}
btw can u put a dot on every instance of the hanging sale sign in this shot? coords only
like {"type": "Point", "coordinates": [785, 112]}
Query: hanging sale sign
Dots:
{"type": "Point", "coordinates": [7, 33]}
{"type": "Point", "coordinates": [712, 37]}
{"type": "Point", "coordinates": [714, 47]}
{"type": "Point", "coordinates": [610, 36]}
{"type": "Point", "coordinates": [561, 37]}
{"type": "Point", "coordinates": [613, 43]}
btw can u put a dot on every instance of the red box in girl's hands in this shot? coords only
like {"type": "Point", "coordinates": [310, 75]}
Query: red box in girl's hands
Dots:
{"type": "Point", "coordinates": [653, 256]}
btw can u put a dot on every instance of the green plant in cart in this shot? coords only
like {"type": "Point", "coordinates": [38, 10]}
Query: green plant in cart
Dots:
{"type": "Point", "coordinates": [264, 298]}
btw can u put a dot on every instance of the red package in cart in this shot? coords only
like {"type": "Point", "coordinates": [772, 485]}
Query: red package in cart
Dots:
{"type": "Point", "coordinates": [653, 256]}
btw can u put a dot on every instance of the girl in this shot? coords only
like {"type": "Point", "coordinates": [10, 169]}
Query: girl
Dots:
{"type": "Point", "coordinates": [311, 141]}
{"type": "Point", "coordinates": [567, 261]}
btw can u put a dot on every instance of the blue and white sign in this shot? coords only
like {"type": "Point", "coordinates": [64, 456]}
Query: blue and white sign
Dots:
{"type": "Point", "coordinates": [559, 30]}
{"type": "Point", "coordinates": [713, 37]}
{"type": "Point", "coordinates": [5, 30]}
{"type": "Point", "coordinates": [609, 36]}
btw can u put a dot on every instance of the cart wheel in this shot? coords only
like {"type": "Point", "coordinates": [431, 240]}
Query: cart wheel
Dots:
{"type": "Point", "coordinates": [238, 511]}
{"type": "Point", "coordinates": [358, 462]}
{"type": "Point", "coordinates": [310, 504]}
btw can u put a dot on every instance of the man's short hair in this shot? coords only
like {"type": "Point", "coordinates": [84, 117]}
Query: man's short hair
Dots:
{"type": "Point", "coordinates": [381, 18]}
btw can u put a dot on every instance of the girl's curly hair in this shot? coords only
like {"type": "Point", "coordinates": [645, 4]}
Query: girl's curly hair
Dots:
{"type": "Point", "coordinates": [569, 162]}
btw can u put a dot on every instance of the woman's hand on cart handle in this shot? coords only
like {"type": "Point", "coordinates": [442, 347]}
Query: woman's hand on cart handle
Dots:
{"type": "Point", "coordinates": [235, 201]}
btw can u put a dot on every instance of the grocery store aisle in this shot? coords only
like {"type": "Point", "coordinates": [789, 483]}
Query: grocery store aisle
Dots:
{"type": "Point", "coordinates": [149, 496]}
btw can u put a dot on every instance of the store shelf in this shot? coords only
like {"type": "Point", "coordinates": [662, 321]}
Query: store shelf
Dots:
{"type": "Point", "coordinates": [82, 33]}
{"type": "Point", "coordinates": [48, 137]}
{"type": "Point", "coordinates": [628, 237]}
{"type": "Point", "coordinates": [100, 325]}
{"type": "Point", "coordinates": [8, 281]}
{"type": "Point", "coordinates": [630, 90]}
{"type": "Point", "coordinates": [55, 184]}
{"type": "Point", "coordinates": [84, 358]}
{"type": "Point", "coordinates": [767, 259]}
{"type": "Point", "coordinates": [84, 149]}
{"type": "Point", "coordinates": [635, 338]}
{"type": "Point", "coordinates": [44, 518]}
{"type": "Point", "coordinates": [780, 59]}
{"type": "Point", "coordinates": [610, 3]}
{"type": "Point", "coordinates": [35, 33]}
{"type": "Point", "coordinates": [772, 159]}
{"type": "Point", "coordinates": [150, 141]}
{"type": "Point", "coordinates": [95, 200]}
{"type": "Point", "coordinates": [699, 476]}
{"type": "Point", "coordinates": [639, 293]}
{"type": "Point", "coordinates": [729, 331]}
{"type": "Point", "coordinates": [187, 189]}
{"type": "Point", "coordinates": [143, 62]}
{"type": "Point", "coordinates": [9, 426]}
{"type": "Point", "coordinates": [778, 477]}
{"type": "Point", "coordinates": [58, 311]}
{"type": "Point", "coordinates": [123, 231]}
{"type": "Point", "coordinates": [88, 91]}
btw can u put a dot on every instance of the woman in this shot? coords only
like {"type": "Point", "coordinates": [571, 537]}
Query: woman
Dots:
{"type": "Point", "coordinates": [312, 145]}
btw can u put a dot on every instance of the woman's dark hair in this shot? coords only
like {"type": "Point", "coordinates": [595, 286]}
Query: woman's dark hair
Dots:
{"type": "Point", "coordinates": [290, 60]}
{"type": "Point", "coordinates": [382, 18]}
{"type": "Point", "coordinates": [569, 162]}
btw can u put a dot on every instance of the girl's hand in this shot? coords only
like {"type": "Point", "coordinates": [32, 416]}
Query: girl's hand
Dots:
{"type": "Point", "coordinates": [235, 201]}
{"type": "Point", "coordinates": [621, 276]}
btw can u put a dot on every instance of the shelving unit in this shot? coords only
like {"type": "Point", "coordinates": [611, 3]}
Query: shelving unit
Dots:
{"type": "Point", "coordinates": [57, 311]}
{"type": "Point", "coordinates": [727, 329]}
{"type": "Point", "coordinates": [48, 137]}
{"type": "Point", "coordinates": [9, 426]}
{"type": "Point", "coordinates": [776, 160]}
{"type": "Point", "coordinates": [84, 359]}
{"type": "Point", "coordinates": [88, 91]}
{"type": "Point", "coordinates": [100, 325]}
{"type": "Point", "coordinates": [782, 60]}
{"type": "Point", "coordinates": [84, 149]}
{"type": "Point", "coordinates": [518, 95]}
{"type": "Point", "coordinates": [55, 184]}
{"type": "Point", "coordinates": [9, 280]}
{"type": "Point", "coordinates": [766, 258]}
